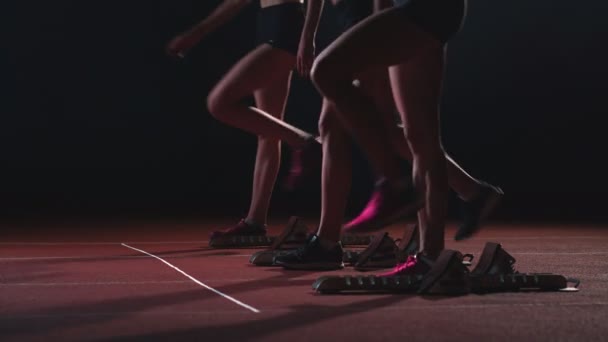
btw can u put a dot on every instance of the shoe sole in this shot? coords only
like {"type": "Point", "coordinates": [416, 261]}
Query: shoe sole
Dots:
{"type": "Point", "coordinates": [490, 206]}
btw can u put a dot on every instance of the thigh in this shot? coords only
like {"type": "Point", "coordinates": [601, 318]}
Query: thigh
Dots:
{"type": "Point", "coordinates": [416, 87]}
{"type": "Point", "coordinates": [383, 39]}
{"type": "Point", "coordinates": [272, 99]}
{"type": "Point", "coordinates": [259, 69]}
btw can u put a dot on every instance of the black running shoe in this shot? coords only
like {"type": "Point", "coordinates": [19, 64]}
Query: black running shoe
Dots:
{"type": "Point", "coordinates": [477, 209]}
{"type": "Point", "coordinates": [241, 228]}
{"type": "Point", "coordinates": [312, 256]}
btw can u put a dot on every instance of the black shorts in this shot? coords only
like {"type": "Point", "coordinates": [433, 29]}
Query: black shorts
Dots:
{"type": "Point", "coordinates": [442, 18]}
{"type": "Point", "coordinates": [351, 12]}
{"type": "Point", "coordinates": [281, 26]}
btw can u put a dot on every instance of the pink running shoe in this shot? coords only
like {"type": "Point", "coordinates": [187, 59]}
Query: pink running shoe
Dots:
{"type": "Point", "coordinates": [387, 205]}
{"type": "Point", "coordinates": [414, 265]}
{"type": "Point", "coordinates": [242, 228]}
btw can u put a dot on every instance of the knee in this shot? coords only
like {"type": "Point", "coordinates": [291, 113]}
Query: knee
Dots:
{"type": "Point", "coordinates": [319, 74]}
{"type": "Point", "coordinates": [218, 104]}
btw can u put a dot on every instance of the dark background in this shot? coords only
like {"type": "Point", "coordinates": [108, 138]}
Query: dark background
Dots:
{"type": "Point", "coordinates": [96, 120]}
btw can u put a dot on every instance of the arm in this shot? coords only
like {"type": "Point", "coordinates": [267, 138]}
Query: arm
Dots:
{"type": "Point", "coordinates": [306, 50]}
{"type": "Point", "coordinates": [314, 9]}
{"type": "Point", "coordinates": [223, 13]}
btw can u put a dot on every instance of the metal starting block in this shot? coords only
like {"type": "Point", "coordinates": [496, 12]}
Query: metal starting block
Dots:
{"type": "Point", "coordinates": [294, 235]}
{"type": "Point", "coordinates": [341, 284]}
{"type": "Point", "coordinates": [383, 252]}
{"type": "Point", "coordinates": [523, 282]}
{"type": "Point", "coordinates": [495, 272]}
{"type": "Point", "coordinates": [447, 274]}
{"type": "Point", "coordinates": [285, 243]}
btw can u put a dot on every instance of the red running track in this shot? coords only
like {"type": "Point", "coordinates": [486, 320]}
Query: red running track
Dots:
{"type": "Point", "coordinates": [79, 282]}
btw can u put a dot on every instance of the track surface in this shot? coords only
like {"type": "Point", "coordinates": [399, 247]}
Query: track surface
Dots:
{"type": "Point", "coordinates": [106, 281]}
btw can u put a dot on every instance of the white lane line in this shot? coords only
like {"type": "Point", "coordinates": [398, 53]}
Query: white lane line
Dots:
{"type": "Point", "coordinates": [248, 307]}
{"type": "Point", "coordinates": [150, 282]}
{"type": "Point", "coordinates": [97, 283]}
{"type": "Point", "coordinates": [97, 257]}
{"type": "Point", "coordinates": [87, 243]}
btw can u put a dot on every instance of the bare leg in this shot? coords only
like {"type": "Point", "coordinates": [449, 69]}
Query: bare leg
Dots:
{"type": "Point", "coordinates": [375, 83]}
{"type": "Point", "coordinates": [417, 88]}
{"type": "Point", "coordinates": [262, 67]}
{"type": "Point", "coordinates": [265, 73]}
{"type": "Point", "coordinates": [336, 173]}
{"type": "Point", "coordinates": [324, 251]}
{"type": "Point", "coordinates": [363, 48]}
{"type": "Point", "coordinates": [271, 99]}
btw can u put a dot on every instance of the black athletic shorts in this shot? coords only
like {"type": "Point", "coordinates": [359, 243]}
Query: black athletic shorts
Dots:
{"type": "Point", "coordinates": [281, 26]}
{"type": "Point", "coordinates": [350, 12]}
{"type": "Point", "coordinates": [442, 18]}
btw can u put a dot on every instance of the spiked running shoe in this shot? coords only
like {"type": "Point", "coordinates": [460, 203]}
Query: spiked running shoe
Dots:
{"type": "Point", "coordinates": [240, 229]}
{"type": "Point", "coordinates": [414, 265]}
{"type": "Point", "coordinates": [478, 209]}
{"type": "Point", "coordinates": [312, 256]}
{"type": "Point", "coordinates": [387, 205]}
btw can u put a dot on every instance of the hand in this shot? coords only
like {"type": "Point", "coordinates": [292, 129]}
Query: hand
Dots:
{"type": "Point", "coordinates": [305, 58]}
{"type": "Point", "coordinates": [179, 46]}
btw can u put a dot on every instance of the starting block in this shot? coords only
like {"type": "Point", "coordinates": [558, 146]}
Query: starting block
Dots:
{"type": "Point", "coordinates": [266, 257]}
{"type": "Point", "coordinates": [346, 284]}
{"type": "Point", "coordinates": [383, 252]}
{"type": "Point", "coordinates": [447, 274]}
{"type": "Point", "coordinates": [380, 253]}
{"type": "Point", "coordinates": [495, 272]}
{"type": "Point", "coordinates": [523, 282]}
{"type": "Point", "coordinates": [295, 233]}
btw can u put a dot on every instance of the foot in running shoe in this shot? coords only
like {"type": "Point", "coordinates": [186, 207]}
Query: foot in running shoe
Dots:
{"type": "Point", "coordinates": [314, 255]}
{"type": "Point", "coordinates": [414, 265]}
{"type": "Point", "coordinates": [241, 228]}
{"type": "Point", "coordinates": [388, 204]}
{"type": "Point", "coordinates": [477, 209]}
{"type": "Point", "coordinates": [304, 162]}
